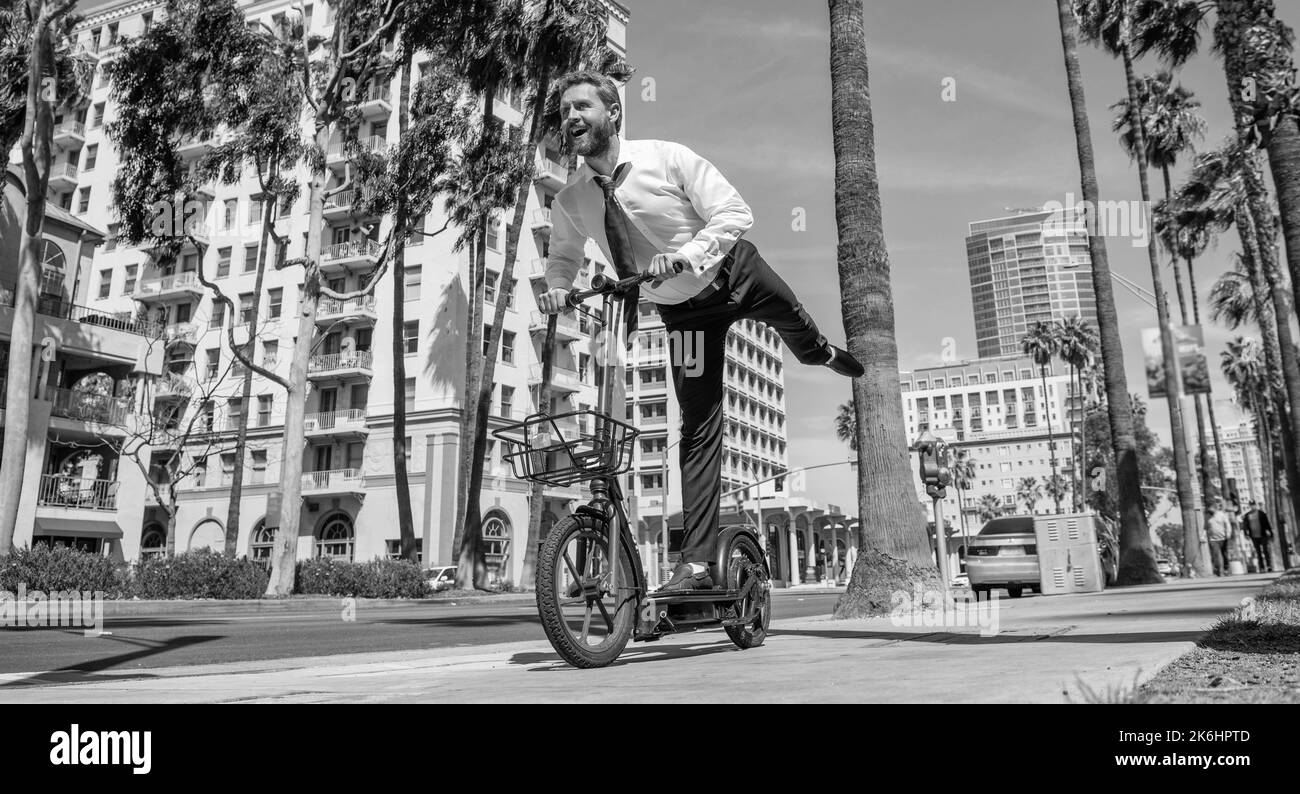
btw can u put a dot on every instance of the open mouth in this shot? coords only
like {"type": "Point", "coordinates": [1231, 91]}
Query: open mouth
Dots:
{"type": "Point", "coordinates": [576, 133]}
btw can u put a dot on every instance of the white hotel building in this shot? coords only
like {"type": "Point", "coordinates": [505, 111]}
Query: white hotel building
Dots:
{"type": "Point", "coordinates": [349, 497]}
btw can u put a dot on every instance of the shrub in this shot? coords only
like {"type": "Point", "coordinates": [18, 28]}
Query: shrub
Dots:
{"type": "Point", "coordinates": [58, 568]}
{"type": "Point", "coordinates": [202, 573]}
{"type": "Point", "coordinates": [374, 579]}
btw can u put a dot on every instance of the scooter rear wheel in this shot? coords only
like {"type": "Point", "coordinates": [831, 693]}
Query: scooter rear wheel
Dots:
{"type": "Point", "coordinates": [586, 624]}
{"type": "Point", "coordinates": [745, 566]}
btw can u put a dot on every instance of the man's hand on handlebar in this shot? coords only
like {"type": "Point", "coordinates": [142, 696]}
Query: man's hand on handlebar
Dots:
{"type": "Point", "coordinates": [552, 301]}
{"type": "Point", "coordinates": [665, 266]}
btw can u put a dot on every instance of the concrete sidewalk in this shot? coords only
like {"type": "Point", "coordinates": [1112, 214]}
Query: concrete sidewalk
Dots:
{"type": "Point", "coordinates": [1045, 650]}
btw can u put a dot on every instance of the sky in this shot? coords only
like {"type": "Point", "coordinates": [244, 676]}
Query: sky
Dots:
{"type": "Point", "coordinates": [746, 84]}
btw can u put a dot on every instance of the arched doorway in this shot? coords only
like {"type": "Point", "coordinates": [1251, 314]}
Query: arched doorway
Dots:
{"type": "Point", "coordinates": [209, 534]}
{"type": "Point", "coordinates": [336, 538]}
{"type": "Point", "coordinates": [260, 543]}
{"type": "Point", "coordinates": [496, 544]}
{"type": "Point", "coordinates": [153, 542]}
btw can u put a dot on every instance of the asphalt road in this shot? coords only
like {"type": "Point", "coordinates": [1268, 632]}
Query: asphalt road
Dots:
{"type": "Point", "coordinates": [141, 643]}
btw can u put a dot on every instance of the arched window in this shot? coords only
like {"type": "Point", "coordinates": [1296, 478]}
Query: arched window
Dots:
{"type": "Point", "coordinates": [260, 543]}
{"type": "Point", "coordinates": [153, 543]}
{"type": "Point", "coordinates": [336, 539]}
{"type": "Point", "coordinates": [208, 535]}
{"type": "Point", "coordinates": [496, 542]}
{"type": "Point", "coordinates": [54, 266]}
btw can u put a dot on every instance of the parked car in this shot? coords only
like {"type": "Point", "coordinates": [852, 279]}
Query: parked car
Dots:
{"type": "Point", "coordinates": [1004, 554]}
{"type": "Point", "coordinates": [443, 577]}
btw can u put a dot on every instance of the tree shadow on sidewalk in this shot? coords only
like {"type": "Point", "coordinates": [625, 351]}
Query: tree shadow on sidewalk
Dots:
{"type": "Point", "coordinates": [551, 662]}
{"type": "Point", "coordinates": [1004, 637]}
{"type": "Point", "coordinates": [80, 672]}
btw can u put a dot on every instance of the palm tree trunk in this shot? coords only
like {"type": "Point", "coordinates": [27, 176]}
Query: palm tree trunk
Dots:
{"type": "Point", "coordinates": [1051, 440]}
{"type": "Point", "coordinates": [38, 132]}
{"type": "Point", "coordinates": [1137, 556]}
{"type": "Point", "coordinates": [246, 394]}
{"type": "Point", "coordinates": [1284, 162]}
{"type": "Point", "coordinates": [1182, 471]}
{"type": "Point", "coordinates": [892, 539]}
{"type": "Point", "coordinates": [402, 479]}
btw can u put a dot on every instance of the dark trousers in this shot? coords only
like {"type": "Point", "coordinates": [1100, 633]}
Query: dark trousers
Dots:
{"type": "Point", "coordinates": [1219, 556]}
{"type": "Point", "coordinates": [697, 329]}
{"type": "Point", "coordinates": [1262, 553]}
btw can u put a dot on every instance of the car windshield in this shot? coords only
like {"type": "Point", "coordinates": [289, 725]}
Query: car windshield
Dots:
{"type": "Point", "coordinates": [1011, 525]}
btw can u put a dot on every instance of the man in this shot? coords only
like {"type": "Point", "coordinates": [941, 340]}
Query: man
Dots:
{"type": "Point", "coordinates": [1260, 532]}
{"type": "Point", "coordinates": [1217, 531]}
{"type": "Point", "coordinates": [657, 206]}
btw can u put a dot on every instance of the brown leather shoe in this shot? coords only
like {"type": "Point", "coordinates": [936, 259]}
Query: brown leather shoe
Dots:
{"type": "Point", "coordinates": [683, 579]}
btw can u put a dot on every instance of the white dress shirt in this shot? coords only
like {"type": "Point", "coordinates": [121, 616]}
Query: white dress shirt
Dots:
{"type": "Point", "coordinates": [677, 202]}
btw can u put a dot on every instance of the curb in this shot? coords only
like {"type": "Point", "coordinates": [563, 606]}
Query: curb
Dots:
{"type": "Point", "coordinates": [310, 605]}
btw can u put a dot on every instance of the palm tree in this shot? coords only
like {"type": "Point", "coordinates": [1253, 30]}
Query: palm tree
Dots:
{"type": "Point", "coordinates": [1119, 27]}
{"type": "Point", "coordinates": [990, 507]}
{"type": "Point", "coordinates": [1041, 344]}
{"type": "Point", "coordinates": [1076, 344]}
{"type": "Point", "coordinates": [1243, 366]}
{"type": "Point", "coordinates": [1030, 491]}
{"type": "Point", "coordinates": [846, 425]}
{"type": "Point", "coordinates": [1137, 555]}
{"type": "Point", "coordinates": [963, 476]}
{"type": "Point", "coordinates": [892, 536]}
{"type": "Point", "coordinates": [1057, 487]}
{"type": "Point", "coordinates": [47, 27]}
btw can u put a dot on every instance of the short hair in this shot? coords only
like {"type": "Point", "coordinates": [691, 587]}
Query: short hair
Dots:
{"type": "Point", "coordinates": [606, 89]}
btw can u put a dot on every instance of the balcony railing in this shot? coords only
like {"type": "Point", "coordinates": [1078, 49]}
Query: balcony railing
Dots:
{"type": "Point", "coordinates": [340, 201]}
{"type": "Point", "coordinates": [335, 420]}
{"type": "Point", "coordinates": [329, 362]}
{"type": "Point", "coordinates": [341, 149]}
{"type": "Point", "coordinates": [85, 407]}
{"type": "Point", "coordinates": [172, 387]}
{"type": "Point", "coordinates": [84, 494]}
{"type": "Point", "coordinates": [187, 333]}
{"type": "Point", "coordinates": [330, 307]}
{"type": "Point", "coordinates": [63, 171]}
{"type": "Point", "coordinates": [70, 127]}
{"type": "Point", "coordinates": [179, 281]}
{"type": "Point", "coordinates": [333, 480]}
{"type": "Point", "coordinates": [53, 306]}
{"type": "Point", "coordinates": [353, 250]}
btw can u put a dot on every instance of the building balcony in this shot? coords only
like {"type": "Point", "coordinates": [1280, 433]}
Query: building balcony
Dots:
{"type": "Point", "coordinates": [354, 256]}
{"type": "Point", "coordinates": [563, 379]}
{"type": "Point", "coordinates": [63, 176]}
{"type": "Point", "coordinates": [551, 173]}
{"type": "Point", "coordinates": [338, 206]}
{"type": "Point", "coordinates": [360, 310]}
{"type": "Point", "coordinates": [335, 481]}
{"type": "Point", "coordinates": [566, 326]}
{"type": "Point", "coordinates": [340, 153]}
{"type": "Point", "coordinates": [172, 388]}
{"type": "Point", "coordinates": [57, 490]}
{"type": "Point", "coordinates": [52, 306]}
{"type": "Point", "coordinates": [351, 422]}
{"type": "Point", "coordinates": [181, 286]}
{"type": "Point", "coordinates": [94, 409]}
{"type": "Point", "coordinates": [376, 103]}
{"type": "Point", "coordinates": [181, 334]}
{"type": "Point", "coordinates": [542, 219]}
{"type": "Point", "coordinates": [70, 134]}
{"type": "Point", "coordinates": [340, 366]}
{"type": "Point", "coordinates": [191, 147]}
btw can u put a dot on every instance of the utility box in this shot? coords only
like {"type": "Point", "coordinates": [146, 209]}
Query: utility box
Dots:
{"type": "Point", "coordinates": [1069, 557]}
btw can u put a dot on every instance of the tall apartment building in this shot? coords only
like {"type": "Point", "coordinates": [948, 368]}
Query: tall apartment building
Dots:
{"type": "Point", "coordinates": [1242, 461]}
{"type": "Point", "coordinates": [995, 412]}
{"type": "Point", "coordinates": [78, 489]}
{"type": "Point", "coordinates": [1025, 268]}
{"type": "Point", "coordinates": [349, 506]}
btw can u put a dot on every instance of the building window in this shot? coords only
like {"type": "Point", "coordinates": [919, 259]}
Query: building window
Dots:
{"type": "Point", "coordinates": [83, 200]}
{"type": "Point", "coordinates": [507, 347]}
{"type": "Point", "coordinates": [246, 305]}
{"type": "Point", "coordinates": [260, 543]}
{"type": "Point", "coordinates": [105, 282]}
{"type": "Point", "coordinates": [92, 155]}
{"type": "Point", "coordinates": [97, 120]}
{"type": "Point", "coordinates": [218, 318]}
{"type": "Point", "coordinates": [129, 286]}
{"type": "Point", "coordinates": [493, 238]}
{"type": "Point", "coordinates": [235, 410]}
{"type": "Point", "coordinates": [275, 299]}
{"type": "Point", "coordinates": [336, 539]}
{"type": "Point", "coordinates": [223, 262]}
{"type": "Point", "coordinates": [408, 449]}
{"type": "Point", "coordinates": [507, 400]}
{"type": "Point", "coordinates": [146, 21]}
{"type": "Point", "coordinates": [496, 544]}
{"type": "Point", "coordinates": [230, 213]}
{"type": "Point", "coordinates": [154, 542]}
{"type": "Point", "coordinates": [395, 547]}
{"type": "Point", "coordinates": [254, 211]}
{"type": "Point", "coordinates": [264, 404]}
{"type": "Point", "coordinates": [259, 466]}
{"type": "Point", "coordinates": [411, 337]}
{"type": "Point", "coordinates": [250, 258]}
{"type": "Point", "coordinates": [270, 353]}
{"type": "Point", "coordinates": [214, 363]}
{"type": "Point", "coordinates": [410, 394]}
{"type": "Point", "coordinates": [490, 287]}
{"type": "Point", "coordinates": [413, 284]}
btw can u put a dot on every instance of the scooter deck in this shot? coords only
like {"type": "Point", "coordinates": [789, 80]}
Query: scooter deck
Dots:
{"type": "Point", "coordinates": [693, 596]}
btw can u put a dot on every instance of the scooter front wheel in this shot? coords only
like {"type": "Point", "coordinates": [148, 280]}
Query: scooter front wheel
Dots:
{"type": "Point", "coordinates": [586, 623]}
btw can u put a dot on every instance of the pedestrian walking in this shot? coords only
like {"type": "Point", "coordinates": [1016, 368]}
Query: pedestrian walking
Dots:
{"type": "Point", "coordinates": [1257, 527]}
{"type": "Point", "coordinates": [1218, 530]}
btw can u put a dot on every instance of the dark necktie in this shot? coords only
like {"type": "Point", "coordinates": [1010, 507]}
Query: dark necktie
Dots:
{"type": "Point", "coordinates": [620, 246]}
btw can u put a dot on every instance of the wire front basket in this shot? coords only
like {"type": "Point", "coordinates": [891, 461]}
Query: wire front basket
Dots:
{"type": "Point", "coordinates": [568, 448]}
